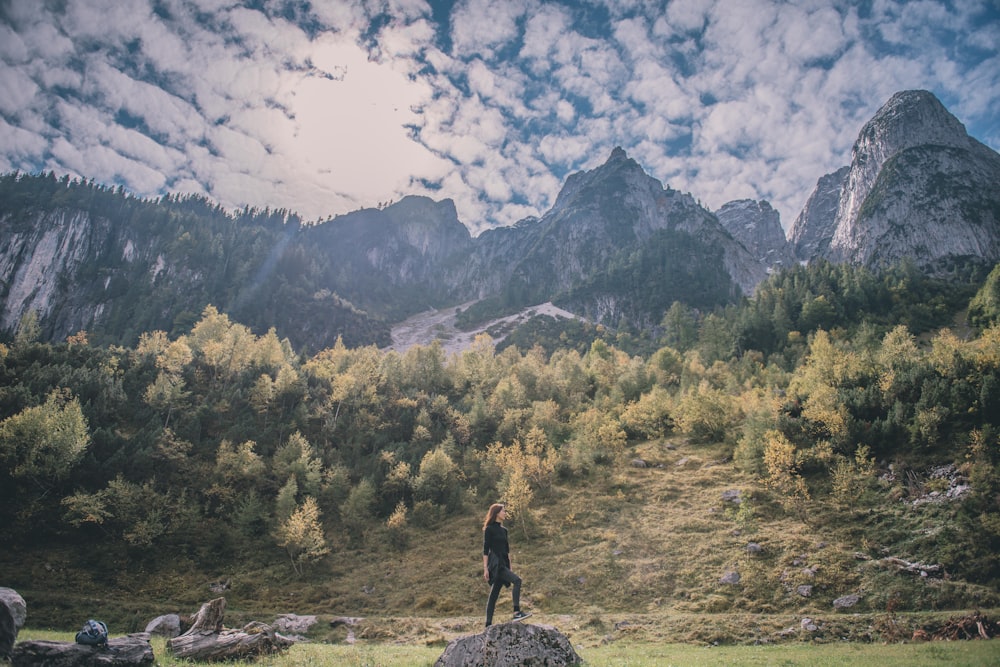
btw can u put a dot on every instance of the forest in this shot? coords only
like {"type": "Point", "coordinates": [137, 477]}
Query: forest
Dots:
{"type": "Point", "coordinates": [834, 387]}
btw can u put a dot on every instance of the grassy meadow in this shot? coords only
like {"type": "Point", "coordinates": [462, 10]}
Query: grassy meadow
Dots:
{"type": "Point", "coordinates": [627, 565]}
{"type": "Point", "coordinates": [928, 654]}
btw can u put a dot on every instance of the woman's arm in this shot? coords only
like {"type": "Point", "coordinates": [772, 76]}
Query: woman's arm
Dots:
{"type": "Point", "coordinates": [486, 568]}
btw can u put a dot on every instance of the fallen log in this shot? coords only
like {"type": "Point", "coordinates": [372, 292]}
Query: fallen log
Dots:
{"type": "Point", "coordinates": [972, 626]}
{"type": "Point", "coordinates": [208, 641]}
{"type": "Point", "coordinates": [131, 649]}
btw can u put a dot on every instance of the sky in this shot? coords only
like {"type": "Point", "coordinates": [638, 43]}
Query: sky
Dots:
{"type": "Point", "coordinates": [327, 106]}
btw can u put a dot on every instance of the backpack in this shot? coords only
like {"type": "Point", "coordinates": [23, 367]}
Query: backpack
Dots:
{"type": "Point", "coordinates": [94, 633]}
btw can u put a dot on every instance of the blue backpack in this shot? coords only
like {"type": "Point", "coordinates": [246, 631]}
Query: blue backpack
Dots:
{"type": "Point", "coordinates": [94, 633]}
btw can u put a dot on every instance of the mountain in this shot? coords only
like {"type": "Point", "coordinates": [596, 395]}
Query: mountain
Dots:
{"type": "Point", "coordinates": [616, 247]}
{"type": "Point", "coordinates": [87, 257]}
{"type": "Point", "coordinates": [758, 227]}
{"type": "Point", "coordinates": [812, 230]}
{"type": "Point", "coordinates": [918, 187]}
{"type": "Point", "coordinates": [389, 261]}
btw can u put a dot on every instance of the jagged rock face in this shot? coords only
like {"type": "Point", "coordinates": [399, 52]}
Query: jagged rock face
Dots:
{"type": "Point", "coordinates": [404, 243]}
{"type": "Point", "coordinates": [812, 230]}
{"type": "Point", "coordinates": [758, 227]}
{"type": "Point", "coordinates": [951, 209]}
{"type": "Point", "coordinates": [35, 257]}
{"type": "Point", "coordinates": [44, 260]}
{"type": "Point", "coordinates": [600, 217]}
{"type": "Point", "coordinates": [918, 186]}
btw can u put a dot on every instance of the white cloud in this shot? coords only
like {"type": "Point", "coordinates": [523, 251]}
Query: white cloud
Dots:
{"type": "Point", "coordinates": [811, 35]}
{"type": "Point", "coordinates": [750, 99]}
{"type": "Point", "coordinates": [18, 143]}
{"type": "Point", "coordinates": [543, 41]}
{"type": "Point", "coordinates": [17, 91]}
{"type": "Point", "coordinates": [687, 15]}
{"type": "Point", "coordinates": [480, 26]}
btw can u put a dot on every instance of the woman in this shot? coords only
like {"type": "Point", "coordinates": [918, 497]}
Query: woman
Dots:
{"type": "Point", "coordinates": [496, 562]}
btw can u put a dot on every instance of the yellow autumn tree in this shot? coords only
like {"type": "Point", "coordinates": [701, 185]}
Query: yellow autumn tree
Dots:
{"type": "Point", "coordinates": [782, 468]}
{"type": "Point", "coordinates": [301, 535]}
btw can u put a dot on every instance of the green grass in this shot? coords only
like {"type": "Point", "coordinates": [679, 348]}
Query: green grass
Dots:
{"type": "Point", "coordinates": [952, 654]}
{"type": "Point", "coordinates": [621, 654]}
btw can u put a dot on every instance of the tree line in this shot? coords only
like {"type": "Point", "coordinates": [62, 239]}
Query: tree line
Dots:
{"type": "Point", "coordinates": [218, 438]}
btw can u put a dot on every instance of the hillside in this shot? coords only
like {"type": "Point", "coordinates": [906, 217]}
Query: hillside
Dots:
{"type": "Point", "coordinates": [674, 492]}
{"type": "Point", "coordinates": [637, 554]}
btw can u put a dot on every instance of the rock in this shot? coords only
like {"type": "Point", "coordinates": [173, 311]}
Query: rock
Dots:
{"type": "Point", "coordinates": [730, 578]}
{"type": "Point", "coordinates": [732, 496]}
{"type": "Point", "coordinates": [219, 586]}
{"type": "Point", "coordinates": [168, 625]}
{"type": "Point", "coordinates": [805, 590]}
{"type": "Point", "coordinates": [754, 548]}
{"type": "Point", "coordinates": [511, 644]}
{"type": "Point", "coordinates": [15, 602]}
{"type": "Point", "coordinates": [638, 463]}
{"type": "Point", "coordinates": [293, 624]}
{"type": "Point", "coordinates": [808, 625]}
{"type": "Point", "coordinates": [846, 601]}
{"type": "Point", "coordinates": [129, 650]}
{"type": "Point", "coordinates": [758, 227]}
{"type": "Point", "coordinates": [8, 631]}
{"type": "Point", "coordinates": [344, 620]}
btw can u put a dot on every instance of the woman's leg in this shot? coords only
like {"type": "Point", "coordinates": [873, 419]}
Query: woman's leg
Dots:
{"type": "Point", "coordinates": [507, 576]}
{"type": "Point", "coordinates": [492, 603]}
{"type": "Point", "coordinates": [516, 593]}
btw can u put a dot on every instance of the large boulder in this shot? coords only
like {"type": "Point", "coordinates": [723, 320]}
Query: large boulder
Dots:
{"type": "Point", "coordinates": [8, 633]}
{"type": "Point", "coordinates": [15, 602]}
{"type": "Point", "coordinates": [511, 644]}
{"type": "Point", "coordinates": [168, 625]}
{"type": "Point", "coordinates": [13, 611]}
{"type": "Point", "coordinates": [293, 624]}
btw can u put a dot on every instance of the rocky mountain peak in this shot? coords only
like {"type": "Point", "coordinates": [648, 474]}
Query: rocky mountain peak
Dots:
{"type": "Point", "coordinates": [918, 186]}
{"type": "Point", "coordinates": [431, 227]}
{"type": "Point", "coordinates": [910, 119]}
{"type": "Point", "coordinates": [757, 226]}
{"type": "Point", "coordinates": [813, 228]}
{"type": "Point", "coordinates": [618, 173]}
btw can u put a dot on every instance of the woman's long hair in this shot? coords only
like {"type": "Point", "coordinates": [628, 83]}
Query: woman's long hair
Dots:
{"type": "Point", "coordinates": [491, 514]}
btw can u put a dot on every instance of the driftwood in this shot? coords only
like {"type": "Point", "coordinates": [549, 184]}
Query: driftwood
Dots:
{"type": "Point", "coordinates": [973, 626]}
{"type": "Point", "coordinates": [208, 641]}
{"type": "Point", "coordinates": [129, 650]}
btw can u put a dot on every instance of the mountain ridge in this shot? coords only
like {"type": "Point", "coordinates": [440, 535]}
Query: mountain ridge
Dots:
{"type": "Point", "coordinates": [617, 247]}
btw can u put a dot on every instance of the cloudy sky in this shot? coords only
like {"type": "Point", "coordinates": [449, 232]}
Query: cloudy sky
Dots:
{"type": "Point", "coordinates": [327, 106]}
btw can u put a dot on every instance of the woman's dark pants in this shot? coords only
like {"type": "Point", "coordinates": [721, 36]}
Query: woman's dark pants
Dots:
{"type": "Point", "coordinates": [502, 577]}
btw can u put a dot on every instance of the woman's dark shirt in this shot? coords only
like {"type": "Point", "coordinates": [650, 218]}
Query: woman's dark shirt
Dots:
{"type": "Point", "coordinates": [495, 541]}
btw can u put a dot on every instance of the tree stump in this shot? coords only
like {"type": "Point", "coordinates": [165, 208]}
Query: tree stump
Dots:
{"type": "Point", "coordinates": [129, 650]}
{"type": "Point", "coordinates": [208, 641]}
